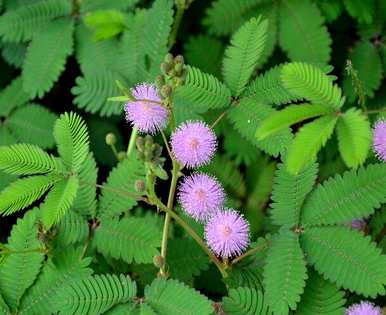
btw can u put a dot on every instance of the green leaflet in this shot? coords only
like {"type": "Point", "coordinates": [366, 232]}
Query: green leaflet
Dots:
{"type": "Point", "coordinates": [20, 268]}
{"type": "Point", "coordinates": [362, 11]}
{"type": "Point", "coordinates": [14, 53]}
{"type": "Point", "coordinates": [12, 97]}
{"type": "Point", "coordinates": [59, 201]}
{"type": "Point", "coordinates": [243, 53]}
{"type": "Point", "coordinates": [170, 297]}
{"type": "Point", "coordinates": [341, 199]}
{"type": "Point", "coordinates": [70, 132]}
{"type": "Point", "coordinates": [23, 192]}
{"type": "Point", "coordinates": [39, 74]}
{"type": "Point", "coordinates": [27, 159]}
{"type": "Point", "coordinates": [33, 124]}
{"type": "Point", "coordinates": [203, 91]}
{"type": "Point", "coordinates": [289, 193]}
{"type": "Point", "coordinates": [347, 258]}
{"type": "Point", "coordinates": [284, 273]}
{"type": "Point", "coordinates": [288, 116]}
{"type": "Point", "coordinates": [302, 33]}
{"type": "Point", "coordinates": [354, 136]}
{"type": "Point", "coordinates": [321, 297]}
{"type": "Point", "coordinates": [310, 82]}
{"type": "Point", "coordinates": [93, 5]}
{"type": "Point", "coordinates": [96, 294]}
{"type": "Point", "coordinates": [308, 141]}
{"type": "Point", "coordinates": [106, 23]}
{"type": "Point", "coordinates": [245, 301]}
{"type": "Point", "coordinates": [130, 239]}
{"type": "Point", "coordinates": [73, 228]}
{"type": "Point", "coordinates": [248, 115]}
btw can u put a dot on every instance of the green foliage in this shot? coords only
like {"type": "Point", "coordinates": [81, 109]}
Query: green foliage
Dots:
{"type": "Point", "coordinates": [22, 264]}
{"type": "Point", "coordinates": [93, 5]}
{"type": "Point", "coordinates": [14, 53]}
{"type": "Point", "coordinates": [303, 35]}
{"type": "Point", "coordinates": [23, 22]}
{"type": "Point", "coordinates": [71, 136]}
{"type": "Point", "coordinates": [245, 301]}
{"type": "Point", "coordinates": [309, 82]}
{"type": "Point", "coordinates": [341, 199]}
{"type": "Point", "coordinates": [106, 23]}
{"type": "Point", "coordinates": [248, 115]}
{"type": "Point", "coordinates": [289, 193]}
{"type": "Point", "coordinates": [321, 297]}
{"type": "Point", "coordinates": [284, 273]}
{"type": "Point", "coordinates": [96, 294]}
{"type": "Point", "coordinates": [174, 298]}
{"type": "Point", "coordinates": [269, 88]}
{"type": "Point", "coordinates": [347, 258]}
{"type": "Point", "coordinates": [288, 116]}
{"type": "Point", "coordinates": [203, 91]}
{"type": "Point", "coordinates": [119, 194]}
{"type": "Point", "coordinates": [139, 245]}
{"type": "Point", "coordinates": [308, 141]}
{"type": "Point", "coordinates": [354, 135]}
{"type": "Point", "coordinates": [39, 74]}
{"type": "Point", "coordinates": [73, 228]}
{"type": "Point", "coordinates": [243, 54]}
{"type": "Point", "coordinates": [12, 97]}
{"type": "Point", "coordinates": [363, 12]}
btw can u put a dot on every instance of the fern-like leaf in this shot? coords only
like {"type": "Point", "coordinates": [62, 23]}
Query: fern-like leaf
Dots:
{"type": "Point", "coordinates": [243, 54]}
{"type": "Point", "coordinates": [302, 33]}
{"type": "Point", "coordinates": [27, 159]}
{"type": "Point", "coordinates": [59, 201]}
{"type": "Point", "coordinates": [354, 135]}
{"type": "Point", "coordinates": [46, 57]}
{"type": "Point", "coordinates": [33, 124]}
{"type": "Point", "coordinates": [130, 239]}
{"type": "Point", "coordinates": [170, 297]}
{"type": "Point", "coordinates": [225, 16]}
{"type": "Point", "coordinates": [341, 199]}
{"type": "Point", "coordinates": [289, 193]}
{"type": "Point", "coordinates": [73, 228]}
{"type": "Point", "coordinates": [22, 265]}
{"type": "Point", "coordinates": [364, 12]}
{"type": "Point", "coordinates": [347, 258]}
{"type": "Point", "coordinates": [248, 115]}
{"type": "Point", "coordinates": [288, 116]}
{"type": "Point", "coordinates": [119, 194]}
{"type": "Point", "coordinates": [94, 5]}
{"type": "Point", "coordinates": [321, 297]}
{"type": "Point", "coordinates": [245, 301]}
{"type": "Point", "coordinates": [14, 53]}
{"type": "Point", "coordinates": [308, 141]}
{"type": "Point", "coordinates": [203, 90]}
{"type": "Point", "coordinates": [23, 192]}
{"type": "Point", "coordinates": [64, 268]}
{"type": "Point", "coordinates": [23, 22]}
{"type": "Point", "coordinates": [12, 97]}
{"type": "Point", "coordinates": [269, 88]}
{"type": "Point", "coordinates": [96, 294]}
{"type": "Point", "coordinates": [284, 273]}
{"type": "Point", "coordinates": [309, 82]}
{"type": "Point", "coordinates": [70, 132]}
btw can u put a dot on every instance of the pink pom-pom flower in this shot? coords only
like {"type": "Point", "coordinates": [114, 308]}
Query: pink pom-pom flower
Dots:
{"type": "Point", "coordinates": [364, 308]}
{"type": "Point", "coordinates": [379, 139]}
{"type": "Point", "coordinates": [193, 144]}
{"type": "Point", "coordinates": [146, 113]}
{"type": "Point", "coordinates": [201, 196]}
{"type": "Point", "coordinates": [227, 233]}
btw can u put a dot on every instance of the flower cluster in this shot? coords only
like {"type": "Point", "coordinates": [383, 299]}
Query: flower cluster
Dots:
{"type": "Point", "coordinates": [364, 308]}
{"type": "Point", "coordinates": [202, 196]}
{"type": "Point", "coordinates": [379, 139]}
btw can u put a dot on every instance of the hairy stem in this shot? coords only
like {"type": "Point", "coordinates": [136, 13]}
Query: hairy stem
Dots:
{"type": "Point", "coordinates": [132, 140]}
{"type": "Point", "coordinates": [250, 252]}
{"type": "Point", "coordinates": [165, 233]}
{"type": "Point", "coordinates": [176, 25]}
{"type": "Point", "coordinates": [375, 111]}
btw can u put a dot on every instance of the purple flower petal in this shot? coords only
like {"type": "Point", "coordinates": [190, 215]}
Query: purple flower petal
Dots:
{"type": "Point", "coordinates": [364, 308]}
{"type": "Point", "coordinates": [379, 139]}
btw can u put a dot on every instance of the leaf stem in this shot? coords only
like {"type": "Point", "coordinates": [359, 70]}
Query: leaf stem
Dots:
{"type": "Point", "coordinates": [132, 140]}
{"type": "Point", "coordinates": [250, 252]}
{"type": "Point", "coordinates": [176, 25]}
{"type": "Point", "coordinates": [375, 111]}
{"type": "Point", "coordinates": [167, 145]}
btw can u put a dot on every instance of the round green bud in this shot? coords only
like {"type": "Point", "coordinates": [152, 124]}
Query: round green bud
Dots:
{"type": "Point", "coordinates": [169, 58]}
{"type": "Point", "coordinates": [166, 90]}
{"type": "Point", "coordinates": [140, 143]}
{"type": "Point", "coordinates": [158, 261]}
{"type": "Point", "coordinates": [121, 155]}
{"type": "Point", "coordinates": [111, 139]}
{"type": "Point", "coordinates": [179, 59]}
{"type": "Point", "coordinates": [165, 67]}
{"type": "Point", "coordinates": [178, 68]}
{"type": "Point", "coordinates": [159, 81]}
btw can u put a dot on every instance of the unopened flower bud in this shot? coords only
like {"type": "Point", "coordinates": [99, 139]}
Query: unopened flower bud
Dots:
{"type": "Point", "coordinates": [121, 156]}
{"type": "Point", "coordinates": [165, 67]}
{"type": "Point", "coordinates": [140, 143]}
{"type": "Point", "coordinates": [139, 185]}
{"type": "Point", "coordinates": [166, 91]}
{"type": "Point", "coordinates": [169, 58]}
{"type": "Point", "coordinates": [159, 81]}
{"type": "Point", "coordinates": [158, 261]}
{"type": "Point", "coordinates": [178, 68]}
{"type": "Point", "coordinates": [179, 59]}
{"type": "Point", "coordinates": [111, 139]}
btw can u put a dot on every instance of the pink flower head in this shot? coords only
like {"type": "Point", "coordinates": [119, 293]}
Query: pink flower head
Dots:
{"type": "Point", "coordinates": [364, 308]}
{"type": "Point", "coordinates": [146, 112]}
{"type": "Point", "coordinates": [193, 144]}
{"type": "Point", "coordinates": [227, 233]}
{"type": "Point", "coordinates": [201, 196]}
{"type": "Point", "coordinates": [379, 139]}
